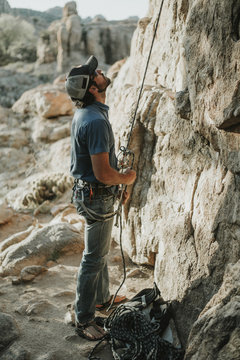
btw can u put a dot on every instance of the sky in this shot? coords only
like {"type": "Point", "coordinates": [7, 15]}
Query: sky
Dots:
{"type": "Point", "coordinates": [110, 9]}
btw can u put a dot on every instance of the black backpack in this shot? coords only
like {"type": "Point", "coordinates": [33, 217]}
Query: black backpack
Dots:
{"type": "Point", "coordinates": [136, 329]}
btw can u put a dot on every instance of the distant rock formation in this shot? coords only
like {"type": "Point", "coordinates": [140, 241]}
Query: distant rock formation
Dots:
{"type": "Point", "coordinates": [55, 11]}
{"type": "Point", "coordinates": [53, 44]}
{"type": "Point", "coordinates": [72, 40]}
{"type": "Point", "coordinates": [4, 7]}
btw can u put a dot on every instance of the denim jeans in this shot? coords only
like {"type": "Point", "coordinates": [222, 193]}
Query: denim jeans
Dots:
{"type": "Point", "coordinates": [93, 279]}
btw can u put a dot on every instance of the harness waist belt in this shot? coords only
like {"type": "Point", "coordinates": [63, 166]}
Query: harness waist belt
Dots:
{"type": "Point", "coordinates": [83, 183]}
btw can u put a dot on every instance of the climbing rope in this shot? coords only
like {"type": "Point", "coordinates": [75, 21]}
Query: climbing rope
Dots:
{"type": "Point", "coordinates": [126, 153]}
{"type": "Point", "coordinates": [145, 72]}
{"type": "Point", "coordinates": [130, 330]}
{"type": "Point", "coordinates": [134, 336]}
{"type": "Point", "coordinates": [123, 262]}
{"type": "Point", "coordinates": [126, 156]}
{"type": "Point", "coordinates": [153, 346]}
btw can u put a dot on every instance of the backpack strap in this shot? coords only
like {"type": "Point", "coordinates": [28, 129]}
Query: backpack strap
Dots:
{"type": "Point", "coordinates": [145, 296]}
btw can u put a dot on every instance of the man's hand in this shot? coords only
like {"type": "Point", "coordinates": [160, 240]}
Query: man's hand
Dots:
{"type": "Point", "coordinates": [107, 175]}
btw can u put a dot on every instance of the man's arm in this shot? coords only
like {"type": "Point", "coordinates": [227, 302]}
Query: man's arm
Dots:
{"type": "Point", "coordinates": [106, 174]}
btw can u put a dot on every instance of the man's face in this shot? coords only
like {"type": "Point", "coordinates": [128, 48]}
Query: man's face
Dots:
{"type": "Point", "coordinates": [101, 80]}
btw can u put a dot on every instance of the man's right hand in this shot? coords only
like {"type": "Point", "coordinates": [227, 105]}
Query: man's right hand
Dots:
{"type": "Point", "coordinates": [107, 175]}
{"type": "Point", "coordinates": [130, 176]}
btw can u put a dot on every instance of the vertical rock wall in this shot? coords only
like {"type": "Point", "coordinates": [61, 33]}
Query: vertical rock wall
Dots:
{"type": "Point", "coordinates": [183, 217]}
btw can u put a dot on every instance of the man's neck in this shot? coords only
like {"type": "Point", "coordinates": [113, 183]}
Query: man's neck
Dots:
{"type": "Point", "coordinates": [101, 97]}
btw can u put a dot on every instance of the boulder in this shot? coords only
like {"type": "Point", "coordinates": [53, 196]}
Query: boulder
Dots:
{"type": "Point", "coordinates": [13, 160]}
{"type": "Point", "coordinates": [15, 352]}
{"type": "Point", "coordinates": [12, 138]}
{"type": "Point", "coordinates": [48, 101]}
{"type": "Point", "coordinates": [62, 54]}
{"type": "Point", "coordinates": [71, 40]}
{"type": "Point", "coordinates": [46, 47]}
{"type": "Point", "coordinates": [6, 213]}
{"type": "Point", "coordinates": [51, 131]}
{"type": "Point", "coordinates": [41, 246]}
{"type": "Point", "coordinates": [16, 238]}
{"type": "Point", "coordinates": [109, 41]}
{"type": "Point", "coordinates": [58, 158]}
{"type": "Point", "coordinates": [74, 29]}
{"type": "Point", "coordinates": [30, 272]}
{"type": "Point", "coordinates": [8, 330]}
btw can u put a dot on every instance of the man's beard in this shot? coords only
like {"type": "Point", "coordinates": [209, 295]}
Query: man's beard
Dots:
{"type": "Point", "coordinates": [108, 82]}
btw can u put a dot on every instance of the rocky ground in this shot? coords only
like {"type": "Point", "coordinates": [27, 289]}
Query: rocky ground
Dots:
{"type": "Point", "coordinates": [38, 309]}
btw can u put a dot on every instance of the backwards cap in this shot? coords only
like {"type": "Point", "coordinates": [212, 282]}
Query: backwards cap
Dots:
{"type": "Point", "coordinates": [78, 79]}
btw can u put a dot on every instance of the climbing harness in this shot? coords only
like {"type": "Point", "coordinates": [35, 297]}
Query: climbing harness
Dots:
{"type": "Point", "coordinates": [93, 215]}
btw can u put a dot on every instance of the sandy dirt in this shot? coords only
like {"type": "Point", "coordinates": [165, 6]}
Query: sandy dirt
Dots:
{"type": "Point", "coordinates": [41, 307]}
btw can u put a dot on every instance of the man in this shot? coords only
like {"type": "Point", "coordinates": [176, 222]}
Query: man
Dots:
{"type": "Point", "coordinates": [94, 167]}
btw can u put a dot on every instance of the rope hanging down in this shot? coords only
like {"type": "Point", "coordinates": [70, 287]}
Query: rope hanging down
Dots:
{"type": "Point", "coordinates": [128, 153]}
{"type": "Point", "coordinates": [145, 72]}
{"type": "Point", "coordinates": [124, 150]}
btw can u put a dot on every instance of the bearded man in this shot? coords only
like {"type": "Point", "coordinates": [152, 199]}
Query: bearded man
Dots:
{"type": "Point", "coordinates": [94, 168]}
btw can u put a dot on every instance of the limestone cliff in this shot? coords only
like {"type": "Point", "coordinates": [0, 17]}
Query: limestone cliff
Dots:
{"type": "Point", "coordinates": [183, 217]}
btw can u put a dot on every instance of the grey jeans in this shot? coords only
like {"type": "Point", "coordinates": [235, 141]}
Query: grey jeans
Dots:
{"type": "Point", "coordinates": [93, 279]}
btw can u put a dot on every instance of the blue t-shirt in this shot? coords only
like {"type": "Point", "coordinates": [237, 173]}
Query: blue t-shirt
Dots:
{"type": "Point", "coordinates": [91, 134]}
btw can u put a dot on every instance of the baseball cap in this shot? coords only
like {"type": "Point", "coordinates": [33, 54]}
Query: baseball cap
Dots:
{"type": "Point", "coordinates": [78, 78]}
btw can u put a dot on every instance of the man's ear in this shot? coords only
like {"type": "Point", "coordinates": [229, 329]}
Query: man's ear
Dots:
{"type": "Point", "coordinates": [93, 89]}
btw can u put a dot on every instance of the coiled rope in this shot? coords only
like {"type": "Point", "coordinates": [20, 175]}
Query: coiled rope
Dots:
{"type": "Point", "coordinates": [130, 328]}
{"type": "Point", "coordinates": [136, 337]}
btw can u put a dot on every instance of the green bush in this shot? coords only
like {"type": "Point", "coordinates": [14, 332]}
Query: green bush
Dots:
{"type": "Point", "coordinates": [17, 40]}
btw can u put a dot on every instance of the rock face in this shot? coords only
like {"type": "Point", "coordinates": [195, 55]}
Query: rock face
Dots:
{"type": "Point", "coordinates": [221, 313]}
{"type": "Point", "coordinates": [183, 215]}
{"type": "Point", "coordinates": [184, 209]}
{"type": "Point", "coordinates": [9, 330]}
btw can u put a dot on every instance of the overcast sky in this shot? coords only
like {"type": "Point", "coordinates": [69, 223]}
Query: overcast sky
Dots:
{"type": "Point", "coordinates": [110, 9]}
